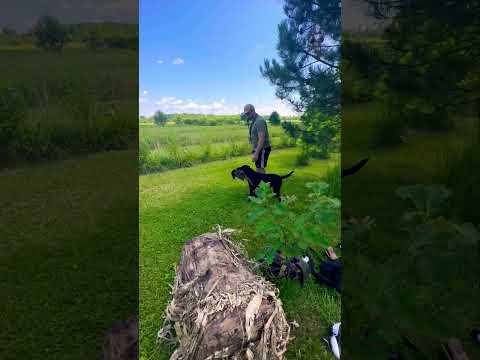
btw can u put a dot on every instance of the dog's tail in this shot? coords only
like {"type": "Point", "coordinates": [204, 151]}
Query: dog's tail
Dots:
{"type": "Point", "coordinates": [286, 176]}
{"type": "Point", "coordinates": [352, 170]}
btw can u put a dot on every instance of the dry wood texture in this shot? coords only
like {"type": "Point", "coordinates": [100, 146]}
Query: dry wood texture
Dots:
{"type": "Point", "coordinates": [220, 307]}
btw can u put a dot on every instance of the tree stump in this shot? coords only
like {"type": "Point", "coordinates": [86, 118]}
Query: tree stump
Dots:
{"type": "Point", "coordinates": [220, 307]}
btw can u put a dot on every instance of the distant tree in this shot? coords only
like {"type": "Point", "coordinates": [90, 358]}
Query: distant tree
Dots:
{"type": "Point", "coordinates": [8, 31]}
{"type": "Point", "coordinates": [93, 40]}
{"type": "Point", "coordinates": [274, 118]}
{"type": "Point", "coordinates": [50, 34]}
{"type": "Point", "coordinates": [160, 118]}
{"type": "Point", "coordinates": [10, 36]}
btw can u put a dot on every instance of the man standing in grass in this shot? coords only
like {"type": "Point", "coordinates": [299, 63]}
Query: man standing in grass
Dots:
{"type": "Point", "coordinates": [258, 137]}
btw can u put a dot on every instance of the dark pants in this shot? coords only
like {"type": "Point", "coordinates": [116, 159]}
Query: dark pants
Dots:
{"type": "Point", "coordinates": [262, 160]}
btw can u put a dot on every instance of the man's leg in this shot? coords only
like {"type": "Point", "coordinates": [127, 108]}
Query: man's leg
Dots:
{"type": "Point", "coordinates": [262, 160]}
{"type": "Point", "coordinates": [260, 163]}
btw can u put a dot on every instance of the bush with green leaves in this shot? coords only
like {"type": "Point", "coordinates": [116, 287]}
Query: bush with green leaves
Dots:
{"type": "Point", "coordinates": [426, 222]}
{"type": "Point", "coordinates": [274, 118]}
{"type": "Point", "coordinates": [319, 134]}
{"type": "Point", "coordinates": [292, 228]}
{"type": "Point", "coordinates": [429, 270]}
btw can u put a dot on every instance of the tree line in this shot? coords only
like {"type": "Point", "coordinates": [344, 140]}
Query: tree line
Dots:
{"type": "Point", "coordinates": [161, 119]}
{"type": "Point", "coordinates": [49, 34]}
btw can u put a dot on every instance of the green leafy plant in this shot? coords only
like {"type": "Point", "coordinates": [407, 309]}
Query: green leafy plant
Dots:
{"type": "Point", "coordinates": [291, 228]}
{"type": "Point", "coordinates": [426, 223]}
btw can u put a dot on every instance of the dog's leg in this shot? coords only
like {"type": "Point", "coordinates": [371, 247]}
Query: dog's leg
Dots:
{"type": "Point", "coordinates": [252, 190]}
{"type": "Point", "coordinates": [276, 189]}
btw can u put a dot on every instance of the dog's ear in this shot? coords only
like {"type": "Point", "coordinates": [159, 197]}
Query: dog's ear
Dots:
{"type": "Point", "coordinates": [233, 174]}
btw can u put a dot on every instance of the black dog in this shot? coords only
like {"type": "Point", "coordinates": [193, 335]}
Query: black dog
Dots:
{"type": "Point", "coordinates": [254, 178]}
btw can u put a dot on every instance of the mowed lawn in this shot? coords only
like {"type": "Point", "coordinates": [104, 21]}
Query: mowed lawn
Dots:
{"type": "Point", "coordinates": [68, 255]}
{"type": "Point", "coordinates": [178, 205]}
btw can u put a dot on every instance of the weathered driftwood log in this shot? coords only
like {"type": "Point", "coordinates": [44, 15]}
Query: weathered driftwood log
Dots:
{"type": "Point", "coordinates": [220, 307]}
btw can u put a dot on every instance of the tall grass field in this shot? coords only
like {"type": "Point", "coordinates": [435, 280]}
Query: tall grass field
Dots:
{"type": "Point", "coordinates": [175, 146]}
{"type": "Point", "coordinates": [69, 103]}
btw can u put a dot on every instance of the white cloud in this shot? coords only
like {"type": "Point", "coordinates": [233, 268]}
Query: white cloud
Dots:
{"type": "Point", "coordinates": [145, 92]}
{"type": "Point", "coordinates": [279, 106]}
{"type": "Point", "coordinates": [160, 61]}
{"type": "Point", "coordinates": [171, 104]}
{"type": "Point", "coordinates": [178, 61]}
{"type": "Point", "coordinates": [142, 100]}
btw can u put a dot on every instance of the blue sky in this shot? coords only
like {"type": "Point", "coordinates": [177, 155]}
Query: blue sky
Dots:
{"type": "Point", "coordinates": [204, 56]}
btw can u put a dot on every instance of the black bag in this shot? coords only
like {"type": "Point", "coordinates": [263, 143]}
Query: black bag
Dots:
{"type": "Point", "coordinates": [330, 274]}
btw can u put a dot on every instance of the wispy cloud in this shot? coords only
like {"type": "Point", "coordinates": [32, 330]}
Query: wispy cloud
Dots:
{"type": "Point", "coordinates": [160, 61]}
{"type": "Point", "coordinates": [145, 92]}
{"type": "Point", "coordinates": [170, 104]}
{"type": "Point", "coordinates": [178, 61]}
{"type": "Point", "coordinates": [142, 100]}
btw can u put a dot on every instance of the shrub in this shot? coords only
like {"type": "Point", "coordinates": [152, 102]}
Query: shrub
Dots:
{"type": "Point", "coordinates": [274, 118]}
{"type": "Point", "coordinates": [295, 230]}
{"type": "Point", "coordinates": [302, 159]}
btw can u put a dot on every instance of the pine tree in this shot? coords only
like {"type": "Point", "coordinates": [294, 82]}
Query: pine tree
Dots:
{"type": "Point", "coordinates": [431, 59]}
{"type": "Point", "coordinates": [307, 75]}
{"type": "Point", "coordinates": [308, 72]}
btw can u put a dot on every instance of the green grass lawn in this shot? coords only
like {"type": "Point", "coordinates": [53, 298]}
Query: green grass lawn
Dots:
{"type": "Point", "coordinates": [68, 255]}
{"type": "Point", "coordinates": [178, 205]}
{"type": "Point", "coordinates": [429, 300]}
